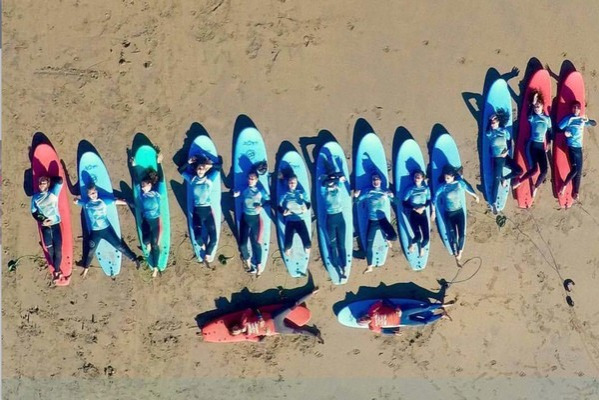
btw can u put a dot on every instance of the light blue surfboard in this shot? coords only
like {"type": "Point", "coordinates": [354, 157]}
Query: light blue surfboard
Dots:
{"type": "Point", "coordinates": [444, 152]}
{"type": "Point", "coordinates": [250, 150]}
{"type": "Point", "coordinates": [333, 156]}
{"type": "Point", "coordinates": [145, 159]}
{"type": "Point", "coordinates": [497, 98]}
{"type": "Point", "coordinates": [370, 158]}
{"type": "Point", "coordinates": [409, 159]}
{"type": "Point", "coordinates": [349, 315]}
{"type": "Point", "coordinates": [203, 146]}
{"type": "Point", "coordinates": [93, 170]}
{"type": "Point", "coordinates": [297, 261]}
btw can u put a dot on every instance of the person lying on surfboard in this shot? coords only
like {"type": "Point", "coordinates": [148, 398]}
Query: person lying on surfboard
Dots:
{"type": "Point", "coordinates": [95, 208]}
{"type": "Point", "coordinates": [377, 199]}
{"type": "Point", "coordinates": [293, 204]}
{"type": "Point", "coordinates": [499, 137]}
{"type": "Point", "coordinates": [253, 323]}
{"type": "Point", "coordinates": [335, 223]}
{"type": "Point", "coordinates": [539, 142]}
{"type": "Point", "coordinates": [416, 198]}
{"type": "Point", "coordinates": [449, 195]}
{"type": "Point", "coordinates": [385, 317]}
{"type": "Point", "coordinates": [151, 221]}
{"type": "Point", "coordinates": [200, 172]}
{"type": "Point", "coordinates": [253, 197]}
{"type": "Point", "coordinates": [44, 208]}
{"type": "Point", "coordinates": [573, 127]}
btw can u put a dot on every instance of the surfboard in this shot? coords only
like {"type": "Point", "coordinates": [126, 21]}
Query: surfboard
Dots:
{"type": "Point", "coordinates": [571, 89]}
{"type": "Point", "coordinates": [93, 170]}
{"type": "Point", "coordinates": [445, 152]}
{"type": "Point", "coordinates": [409, 159]}
{"type": "Point", "coordinates": [203, 145]}
{"type": "Point", "coordinates": [297, 261]}
{"type": "Point", "coordinates": [370, 158]}
{"type": "Point", "coordinates": [217, 331]}
{"type": "Point", "coordinates": [498, 98]}
{"type": "Point", "coordinates": [541, 82]}
{"type": "Point", "coordinates": [349, 315]}
{"type": "Point", "coordinates": [145, 159]}
{"type": "Point", "coordinates": [249, 150]}
{"type": "Point", "coordinates": [45, 162]}
{"type": "Point", "coordinates": [332, 154]}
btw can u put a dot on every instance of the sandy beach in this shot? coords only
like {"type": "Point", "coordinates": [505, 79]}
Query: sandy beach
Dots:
{"type": "Point", "coordinates": [103, 71]}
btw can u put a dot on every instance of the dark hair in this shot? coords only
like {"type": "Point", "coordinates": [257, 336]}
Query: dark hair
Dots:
{"type": "Point", "coordinates": [151, 177]}
{"type": "Point", "coordinates": [419, 171]}
{"type": "Point", "coordinates": [449, 169]}
{"type": "Point", "coordinates": [576, 103]}
{"type": "Point", "coordinates": [260, 168]}
{"type": "Point", "coordinates": [503, 116]}
{"type": "Point", "coordinates": [539, 94]}
{"type": "Point", "coordinates": [91, 186]}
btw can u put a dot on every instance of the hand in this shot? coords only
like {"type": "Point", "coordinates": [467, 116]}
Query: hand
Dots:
{"type": "Point", "coordinates": [342, 179]}
{"type": "Point", "coordinates": [357, 193]}
{"type": "Point", "coordinates": [390, 194]}
{"type": "Point", "coordinates": [47, 222]}
{"type": "Point", "coordinates": [236, 193]}
{"type": "Point", "coordinates": [567, 134]}
{"type": "Point", "coordinates": [132, 161]}
{"type": "Point", "coordinates": [192, 159]}
{"type": "Point", "coordinates": [259, 208]}
{"type": "Point", "coordinates": [159, 158]}
{"type": "Point", "coordinates": [286, 212]}
{"type": "Point", "coordinates": [420, 210]}
{"type": "Point", "coordinates": [76, 199]}
{"type": "Point", "coordinates": [304, 208]}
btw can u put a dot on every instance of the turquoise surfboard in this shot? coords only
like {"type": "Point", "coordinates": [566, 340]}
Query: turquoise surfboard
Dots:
{"type": "Point", "coordinates": [370, 158]}
{"type": "Point", "coordinates": [93, 170]}
{"type": "Point", "coordinates": [498, 98]}
{"type": "Point", "coordinates": [145, 159]}
{"type": "Point", "coordinates": [250, 150]}
{"type": "Point", "coordinates": [409, 159]}
{"type": "Point", "coordinates": [349, 315]}
{"type": "Point", "coordinates": [332, 154]}
{"type": "Point", "coordinates": [297, 261]}
{"type": "Point", "coordinates": [203, 145]}
{"type": "Point", "coordinates": [445, 152]}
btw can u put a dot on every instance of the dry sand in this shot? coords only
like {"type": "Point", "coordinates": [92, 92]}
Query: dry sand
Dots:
{"type": "Point", "coordinates": [102, 71]}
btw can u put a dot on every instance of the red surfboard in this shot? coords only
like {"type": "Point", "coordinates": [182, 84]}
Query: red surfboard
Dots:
{"type": "Point", "coordinates": [217, 331]}
{"type": "Point", "coordinates": [572, 88]}
{"type": "Point", "coordinates": [45, 162]}
{"type": "Point", "coordinates": [540, 81]}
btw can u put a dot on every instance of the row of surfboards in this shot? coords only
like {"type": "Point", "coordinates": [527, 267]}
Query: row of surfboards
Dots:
{"type": "Point", "coordinates": [370, 157]}
{"type": "Point", "coordinates": [570, 89]}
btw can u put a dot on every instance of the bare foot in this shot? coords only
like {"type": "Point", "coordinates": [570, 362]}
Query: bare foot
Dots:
{"type": "Point", "coordinates": [516, 184]}
{"type": "Point", "coordinates": [368, 270]}
{"type": "Point", "coordinates": [288, 252]}
{"type": "Point", "coordinates": [84, 273]}
{"type": "Point", "coordinates": [422, 252]}
{"type": "Point", "coordinates": [390, 244]}
{"type": "Point", "coordinates": [154, 272]}
{"type": "Point", "coordinates": [459, 256]}
{"type": "Point", "coordinates": [411, 248]}
{"type": "Point", "coordinates": [534, 193]}
{"type": "Point", "coordinates": [307, 252]}
{"type": "Point", "coordinates": [260, 270]}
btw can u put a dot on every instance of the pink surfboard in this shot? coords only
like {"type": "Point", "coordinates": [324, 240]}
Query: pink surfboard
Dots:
{"type": "Point", "coordinates": [540, 81]}
{"type": "Point", "coordinates": [572, 88]}
{"type": "Point", "coordinates": [45, 162]}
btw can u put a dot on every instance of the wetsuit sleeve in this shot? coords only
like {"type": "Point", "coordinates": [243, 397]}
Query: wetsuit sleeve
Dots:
{"type": "Point", "coordinates": [563, 124]}
{"type": "Point", "coordinates": [185, 172]}
{"type": "Point", "coordinates": [306, 200]}
{"type": "Point", "coordinates": [467, 186]}
{"type": "Point", "coordinates": [265, 196]}
{"type": "Point", "coordinates": [407, 195]}
{"type": "Point", "coordinates": [108, 200]}
{"type": "Point", "coordinates": [81, 203]}
{"type": "Point", "coordinates": [56, 186]}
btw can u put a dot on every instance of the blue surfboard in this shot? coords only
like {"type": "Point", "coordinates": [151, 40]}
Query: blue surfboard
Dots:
{"type": "Point", "coordinates": [409, 159]}
{"type": "Point", "coordinates": [145, 159]}
{"type": "Point", "coordinates": [498, 98]}
{"type": "Point", "coordinates": [349, 315]}
{"type": "Point", "coordinates": [331, 154]}
{"type": "Point", "coordinates": [370, 158]}
{"type": "Point", "coordinates": [93, 170]}
{"type": "Point", "coordinates": [297, 261]}
{"type": "Point", "coordinates": [444, 152]}
{"type": "Point", "coordinates": [203, 146]}
{"type": "Point", "coordinates": [250, 150]}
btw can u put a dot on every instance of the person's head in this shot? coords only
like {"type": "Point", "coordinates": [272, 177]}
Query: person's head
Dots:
{"type": "Point", "coordinates": [537, 108]}
{"type": "Point", "coordinates": [450, 173]}
{"type": "Point", "coordinates": [201, 169]}
{"type": "Point", "coordinates": [43, 183]}
{"type": "Point", "coordinates": [418, 177]}
{"type": "Point", "coordinates": [92, 192]}
{"type": "Point", "coordinates": [376, 180]}
{"type": "Point", "coordinates": [576, 107]}
{"type": "Point", "coordinates": [499, 119]}
{"type": "Point", "coordinates": [236, 330]}
{"type": "Point", "coordinates": [364, 320]}
{"type": "Point", "coordinates": [292, 182]}
{"type": "Point", "coordinates": [494, 121]}
{"type": "Point", "coordinates": [252, 179]}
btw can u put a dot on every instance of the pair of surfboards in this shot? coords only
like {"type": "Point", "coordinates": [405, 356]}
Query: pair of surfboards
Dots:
{"type": "Point", "coordinates": [250, 150]}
